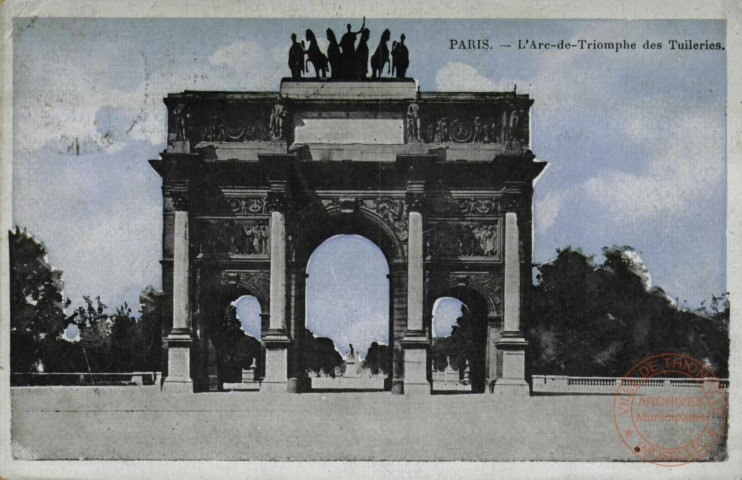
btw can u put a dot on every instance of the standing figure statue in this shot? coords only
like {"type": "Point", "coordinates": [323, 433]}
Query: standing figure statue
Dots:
{"type": "Point", "coordinates": [478, 130]}
{"type": "Point", "coordinates": [514, 129]}
{"type": "Point", "coordinates": [400, 58]}
{"type": "Point", "coordinates": [315, 55]}
{"type": "Point", "coordinates": [348, 47]}
{"type": "Point", "coordinates": [181, 115]}
{"type": "Point", "coordinates": [333, 55]}
{"type": "Point", "coordinates": [296, 58]}
{"type": "Point", "coordinates": [362, 55]}
{"type": "Point", "coordinates": [278, 114]}
{"type": "Point", "coordinates": [381, 55]}
{"type": "Point", "coordinates": [413, 122]}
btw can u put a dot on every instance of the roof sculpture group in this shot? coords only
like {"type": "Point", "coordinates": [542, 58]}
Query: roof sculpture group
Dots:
{"type": "Point", "coordinates": [346, 60]}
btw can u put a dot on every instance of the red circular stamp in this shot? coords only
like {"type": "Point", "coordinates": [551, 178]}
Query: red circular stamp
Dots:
{"type": "Point", "coordinates": [670, 410]}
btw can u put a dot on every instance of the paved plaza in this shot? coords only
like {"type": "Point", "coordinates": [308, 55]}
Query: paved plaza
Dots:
{"type": "Point", "coordinates": [144, 423]}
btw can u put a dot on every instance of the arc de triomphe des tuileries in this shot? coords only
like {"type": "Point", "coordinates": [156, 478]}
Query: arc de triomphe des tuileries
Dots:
{"type": "Point", "coordinates": [441, 182]}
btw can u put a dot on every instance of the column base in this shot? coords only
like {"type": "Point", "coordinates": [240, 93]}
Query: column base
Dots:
{"type": "Point", "coordinates": [276, 363]}
{"type": "Point", "coordinates": [511, 387]}
{"type": "Point", "coordinates": [274, 387]}
{"type": "Point", "coordinates": [416, 365]}
{"type": "Point", "coordinates": [397, 386]}
{"type": "Point", "coordinates": [299, 384]}
{"type": "Point", "coordinates": [512, 348]}
{"type": "Point", "coordinates": [177, 385]}
{"type": "Point", "coordinates": [178, 380]}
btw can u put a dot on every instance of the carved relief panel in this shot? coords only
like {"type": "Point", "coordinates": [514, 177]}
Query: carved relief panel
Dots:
{"type": "Point", "coordinates": [392, 210]}
{"type": "Point", "coordinates": [233, 238]}
{"type": "Point", "coordinates": [256, 282]}
{"type": "Point", "coordinates": [217, 121]}
{"type": "Point", "coordinates": [446, 205]}
{"type": "Point", "coordinates": [464, 239]}
{"type": "Point", "coordinates": [503, 123]}
{"type": "Point", "coordinates": [217, 203]}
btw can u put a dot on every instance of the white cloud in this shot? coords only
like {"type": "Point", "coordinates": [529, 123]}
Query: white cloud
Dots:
{"type": "Point", "coordinates": [457, 76]}
{"type": "Point", "coordinates": [262, 66]}
{"type": "Point", "coordinates": [547, 210]}
{"type": "Point", "coordinates": [688, 162]}
{"type": "Point", "coordinates": [685, 163]}
{"type": "Point", "coordinates": [67, 110]}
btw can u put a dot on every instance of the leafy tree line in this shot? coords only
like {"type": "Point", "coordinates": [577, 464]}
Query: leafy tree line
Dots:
{"type": "Point", "coordinates": [581, 318]}
{"type": "Point", "coordinates": [117, 341]}
{"type": "Point", "coordinates": [593, 319]}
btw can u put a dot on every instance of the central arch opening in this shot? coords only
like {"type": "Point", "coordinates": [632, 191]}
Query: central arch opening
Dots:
{"type": "Point", "coordinates": [347, 315]}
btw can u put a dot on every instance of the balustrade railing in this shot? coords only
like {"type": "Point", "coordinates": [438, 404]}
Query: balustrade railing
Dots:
{"type": "Point", "coordinates": [84, 378]}
{"type": "Point", "coordinates": [567, 384]}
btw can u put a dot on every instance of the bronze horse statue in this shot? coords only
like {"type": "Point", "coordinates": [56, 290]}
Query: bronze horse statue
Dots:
{"type": "Point", "coordinates": [381, 55]}
{"type": "Point", "coordinates": [315, 55]}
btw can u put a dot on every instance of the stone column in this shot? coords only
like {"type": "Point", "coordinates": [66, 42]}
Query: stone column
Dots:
{"type": "Point", "coordinates": [415, 342]}
{"type": "Point", "coordinates": [180, 339]}
{"type": "Point", "coordinates": [512, 345]}
{"type": "Point", "coordinates": [276, 340]}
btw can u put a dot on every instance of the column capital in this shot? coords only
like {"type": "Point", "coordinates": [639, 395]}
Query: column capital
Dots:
{"type": "Point", "coordinates": [181, 201]}
{"type": "Point", "coordinates": [278, 195]}
{"type": "Point", "coordinates": [277, 201]}
{"type": "Point", "coordinates": [415, 196]}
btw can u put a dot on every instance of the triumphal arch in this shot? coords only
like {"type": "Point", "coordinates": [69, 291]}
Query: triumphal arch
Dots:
{"type": "Point", "coordinates": [254, 182]}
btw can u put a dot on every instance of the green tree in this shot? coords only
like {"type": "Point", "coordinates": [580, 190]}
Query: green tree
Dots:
{"type": "Point", "coordinates": [118, 341]}
{"type": "Point", "coordinates": [378, 359]}
{"type": "Point", "coordinates": [590, 319]}
{"type": "Point", "coordinates": [37, 304]}
{"type": "Point", "coordinates": [318, 354]}
{"type": "Point", "coordinates": [150, 326]}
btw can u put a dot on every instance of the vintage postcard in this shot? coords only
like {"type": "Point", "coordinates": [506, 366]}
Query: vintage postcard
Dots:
{"type": "Point", "coordinates": [365, 236]}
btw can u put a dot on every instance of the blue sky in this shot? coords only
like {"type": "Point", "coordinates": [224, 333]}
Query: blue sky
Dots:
{"type": "Point", "coordinates": [635, 140]}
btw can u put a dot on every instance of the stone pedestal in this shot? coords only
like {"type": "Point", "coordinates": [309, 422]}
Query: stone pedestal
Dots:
{"type": "Point", "coordinates": [276, 364]}
{"type": "Point", "coordinates": [178, 378]}
{"type": "Point", "coordinates": [416, 365]}
{"type": "Point", "coordinates": [512, 348]}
